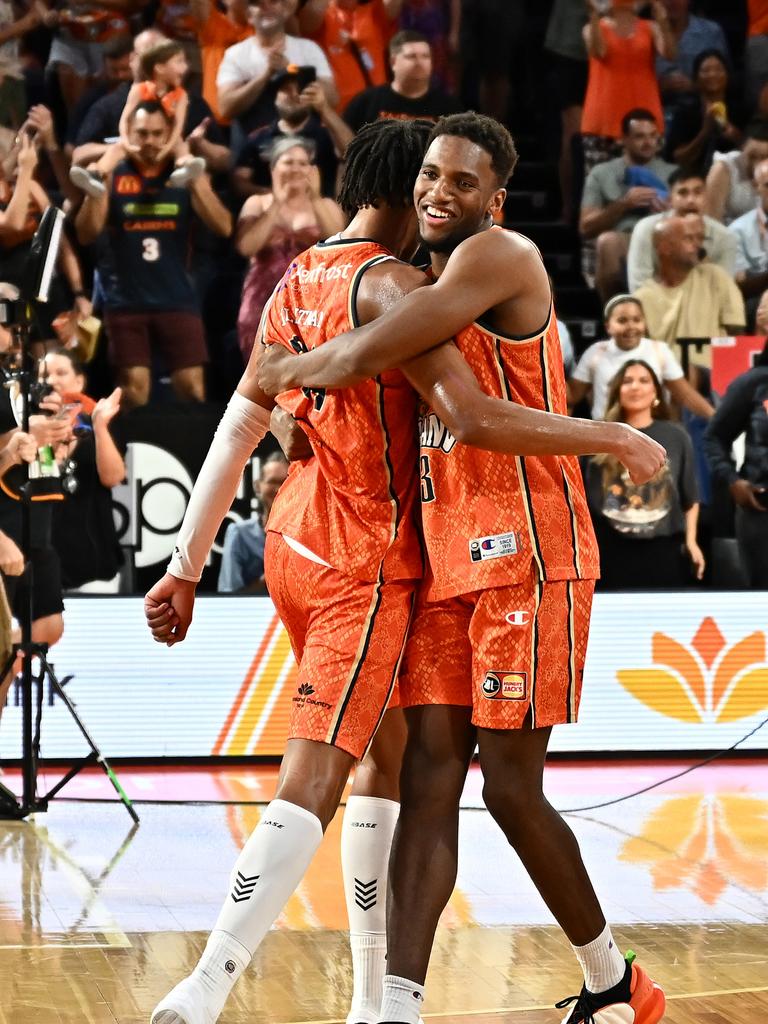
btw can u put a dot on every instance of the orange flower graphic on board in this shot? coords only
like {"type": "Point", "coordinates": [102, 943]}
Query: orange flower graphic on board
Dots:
{"type": "Point", "coordinates": [706, 681]}
{"type": "Point", "coordinates": [704, 843]}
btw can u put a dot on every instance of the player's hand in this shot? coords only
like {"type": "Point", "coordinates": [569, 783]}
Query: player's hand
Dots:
{"type": "Point", "coordinates": [290, 436]}
{"type": "Point", "coordinates": [21, 448]}
{"type": "Point", "coordinates": [168, 609]}
{"type": "Point", "coordinates": [273, 369]}
{"type": "Point", "coordinates": [11, 557]}
{"type": "Point", "coordinates": [641, 455]}
{"type": "Point", "coordinates": [744, 494]}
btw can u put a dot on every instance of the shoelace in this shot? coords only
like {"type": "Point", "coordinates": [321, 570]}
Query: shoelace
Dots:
{"type": "Point", "coordinates": [582, 1007]}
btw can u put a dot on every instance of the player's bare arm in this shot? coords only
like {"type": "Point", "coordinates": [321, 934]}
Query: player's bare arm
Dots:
{"type": "Point", "coordinates": [169, 605]}
{"type": "Point", "coordinates": [449, 387]}
{"type": "Point", "coordinates": [469, 287]}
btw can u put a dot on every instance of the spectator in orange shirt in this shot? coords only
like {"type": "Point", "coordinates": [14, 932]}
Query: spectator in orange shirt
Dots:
{"type": "Point", "coordinates": [354, 36]}
{"type": "Point", "coordinates": [217, 30]}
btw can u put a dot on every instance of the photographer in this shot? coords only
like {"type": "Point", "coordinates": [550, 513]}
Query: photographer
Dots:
{"type": "Point", "coordinates": [51, 428]}
{"type": "Point", "coordinates": [84, 532]}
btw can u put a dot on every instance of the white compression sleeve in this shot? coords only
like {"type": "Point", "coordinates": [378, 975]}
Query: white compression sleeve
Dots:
{"type": "Point", "coordinates": [242, 426]}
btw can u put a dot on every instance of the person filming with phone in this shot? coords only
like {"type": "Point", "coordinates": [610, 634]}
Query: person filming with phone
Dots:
{"type": "Point", "coordinates": [744, 410]}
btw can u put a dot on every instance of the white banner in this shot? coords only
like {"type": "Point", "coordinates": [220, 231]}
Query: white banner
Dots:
{"type": "Point", "coordinates": [665, 672]}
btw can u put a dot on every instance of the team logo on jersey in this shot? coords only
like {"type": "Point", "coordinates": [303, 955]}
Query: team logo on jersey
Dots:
{"type": "Point", "coordinates": [518, 618]}
{"type": "Point", "coordinates": [498, 546]}
{"type": "Point", "coordinates": [504, 685]}
{"type": "Point", "coordinates": [127, 185]}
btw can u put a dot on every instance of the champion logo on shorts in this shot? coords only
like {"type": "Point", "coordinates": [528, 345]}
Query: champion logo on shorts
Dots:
{"type": "Point", "coordinates": [505, 685]}
{"type": "Point", "coordinates": [518, 618]}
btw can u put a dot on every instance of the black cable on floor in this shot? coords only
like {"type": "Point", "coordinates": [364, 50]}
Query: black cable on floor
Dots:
{"type": "Point", "coordinates": [669, 778]}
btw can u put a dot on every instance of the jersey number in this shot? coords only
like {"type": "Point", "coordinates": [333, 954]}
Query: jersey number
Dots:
{"type": "Point", "coordinates": [151, 247]}
{"type": "Point", "coordinates": [427, 484]}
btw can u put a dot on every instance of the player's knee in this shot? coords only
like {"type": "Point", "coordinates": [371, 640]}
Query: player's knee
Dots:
{"type": "Point", "coordinates": [511, 800]}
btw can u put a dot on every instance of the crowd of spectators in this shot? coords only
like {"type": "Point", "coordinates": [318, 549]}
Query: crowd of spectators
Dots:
{"type": "Point", "coordinates": [196, 146]}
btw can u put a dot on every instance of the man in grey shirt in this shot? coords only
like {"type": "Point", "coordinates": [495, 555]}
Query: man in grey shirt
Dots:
{"type": "Point", "coordinates": [618, 193]}
{"type": "Point", "coordinates": [687, 194]}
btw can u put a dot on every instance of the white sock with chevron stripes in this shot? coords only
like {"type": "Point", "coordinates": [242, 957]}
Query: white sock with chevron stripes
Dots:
{"type": "Point", "coordinates": [265, 875]}
{"type": "Point", "coordinates": [366, 839]}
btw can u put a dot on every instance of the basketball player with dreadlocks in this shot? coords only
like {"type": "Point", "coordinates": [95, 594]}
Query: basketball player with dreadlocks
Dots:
{"type": "Point", "coordinates": [342, 553]}
{"type": "Point", "coordinates": [496, 651]}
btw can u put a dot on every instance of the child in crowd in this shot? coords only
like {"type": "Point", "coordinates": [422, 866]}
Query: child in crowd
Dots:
{"type": "Point", "coordinates": [163, 68]}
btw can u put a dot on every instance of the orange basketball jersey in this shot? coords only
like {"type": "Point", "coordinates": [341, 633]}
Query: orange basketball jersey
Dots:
{"type": "Point", "coordinates": [486, 515]}
{"type": "Point", "coordinates": [354, 504]}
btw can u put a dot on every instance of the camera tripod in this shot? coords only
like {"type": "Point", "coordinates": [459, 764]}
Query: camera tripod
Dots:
{"type": "Point", "coordinates": [42, 257]}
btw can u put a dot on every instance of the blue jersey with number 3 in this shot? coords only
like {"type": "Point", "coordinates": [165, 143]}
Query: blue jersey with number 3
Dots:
{"type": "Point", "coordinates": [144, 252]}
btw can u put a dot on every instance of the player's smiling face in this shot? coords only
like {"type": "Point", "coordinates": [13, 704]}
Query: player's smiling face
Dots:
{"type": "Point", "coordinates": [456, 193]}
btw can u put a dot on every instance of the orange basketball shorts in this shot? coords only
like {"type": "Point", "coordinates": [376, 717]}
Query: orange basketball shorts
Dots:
{"type": "Point", "coordinates": [348, 638]}
{"type": "Point", "coordinates": [501, 651]}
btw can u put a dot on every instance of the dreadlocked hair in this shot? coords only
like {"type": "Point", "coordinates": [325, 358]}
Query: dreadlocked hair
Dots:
{"type": "Point", "coordinates": [485, 133]}
{"type": "Point", "coordinates": [382, 162]}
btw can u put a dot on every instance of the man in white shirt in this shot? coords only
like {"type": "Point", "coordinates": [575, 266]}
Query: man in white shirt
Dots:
{"type": "Point", "coordinates": [595, 371]}
{"type": "Point", "coordinates": [245, 86]}
{"type": "Point", "coordinates": [687, 194]}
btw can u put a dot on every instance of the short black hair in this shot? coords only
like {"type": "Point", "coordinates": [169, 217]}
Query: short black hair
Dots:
{"type": "Point", "coordinates": [381, 164]}
{"type": "Point", "coordinates": [485, 133]}
{"type": "Point", "coordinates": [705, 55]}
{"type": "Point", "coordinates": [401, 39]}
{"type": "Point", "coordinates": [636, 114]}
{"type": "Point", "coordinates": [757, 129]}
{"type": "Point", "coordinates": [150, 107]}
{"type": "Point", "coordinates": [685, 174]}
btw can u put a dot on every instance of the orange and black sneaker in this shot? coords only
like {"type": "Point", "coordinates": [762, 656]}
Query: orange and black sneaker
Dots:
{"type": "Point", "coordinates": [635, 1000]}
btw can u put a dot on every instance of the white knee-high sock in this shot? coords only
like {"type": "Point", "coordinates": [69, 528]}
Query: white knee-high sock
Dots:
{"type": "Point", "coordinates": [366, 839]}
{"type": "Point", "coordinates": [265, 875]}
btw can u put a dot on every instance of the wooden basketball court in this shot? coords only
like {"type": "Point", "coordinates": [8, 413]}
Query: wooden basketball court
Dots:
{"type": "Point", "coordinates": [98, 920]}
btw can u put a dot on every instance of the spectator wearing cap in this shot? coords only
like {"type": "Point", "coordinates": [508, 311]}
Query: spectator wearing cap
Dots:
{"type": "Point", "coordinates": [687, 194]}
{"type": "Point", "coordinates": [598, 366]}
{"type": "Point", "coordinates": [354, 37]}
{"type": "Point", "coordinates": [410, 94]}
{"type": "Point", "coordinates": [687, 298]}
{"type": "Point", "coordinates": [246, 79]}
{"type": "Point", "coordinates": [617, 194]}
{"type": "Point", "coordinates": [274, 228]}
{"type": "Point", "coordinates": [217, 30]}
{"type": "Point", "coordinates": [305, 112]}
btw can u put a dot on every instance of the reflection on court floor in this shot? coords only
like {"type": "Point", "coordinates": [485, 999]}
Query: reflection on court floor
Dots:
{"type": "Point", "coordinates": [97, 920]}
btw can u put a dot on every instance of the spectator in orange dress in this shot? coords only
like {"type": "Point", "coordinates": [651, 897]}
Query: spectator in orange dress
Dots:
{"type": "Point", "coordinates": [216, 31]}
{"type": "Point", "coordinates": [354, 37]}
{"type": "Point", "coordinates": [622, 48]}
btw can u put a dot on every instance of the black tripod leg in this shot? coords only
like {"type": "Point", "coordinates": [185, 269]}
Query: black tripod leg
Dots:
{"type": "Point", "coordinates": [96, 757]}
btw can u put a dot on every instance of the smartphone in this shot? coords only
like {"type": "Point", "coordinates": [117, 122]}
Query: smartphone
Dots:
{"type": "Point", "coordinates": [305, 76]}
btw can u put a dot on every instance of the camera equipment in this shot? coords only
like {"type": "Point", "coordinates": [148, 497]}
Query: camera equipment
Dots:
{"type": "Point", "coordinates": [35, 284]}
